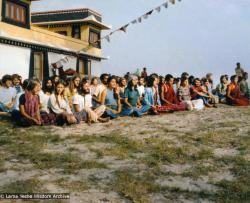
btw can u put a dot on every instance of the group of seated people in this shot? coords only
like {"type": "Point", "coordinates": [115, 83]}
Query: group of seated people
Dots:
{"type": "Point", "coordinates": [78, 100]}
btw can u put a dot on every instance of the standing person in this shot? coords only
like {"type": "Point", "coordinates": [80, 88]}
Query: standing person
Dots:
{"type": "Point", "coordinates": [144, 73]}
{"type": "Point", "coordinates": [198, 92]}
{"type": "Point", "coordinates": [59, 105]}
{"type": "Point", "coordinates": [244, 89]}
{"type": "Point", "coordinates": [185, 96]}
{"type": "Point", "coordinates": [112, 99]}
{"type": "Point", "coordinates": [221, 89]}
{"type": "Point", "coordinates": [83, 102]}
{"type": "Point", "coordinates": [234, 96]}
{"type": "Point", "coordinates": [29, 105]}
{"type": "Point", "coordinates": [239, 70]}
{"type": "Point", "coordinates": [169, 97]}
{"type": "Point", "coordinates": [98, 95]}
{"type": "Point", "coordinates": [7, 95]}
{"type": "Point", "coordinates": [17, 83]}
{"type": "Point", "coordinates": [132, 105]}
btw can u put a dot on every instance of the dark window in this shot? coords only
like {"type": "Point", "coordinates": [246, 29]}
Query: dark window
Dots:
{"type": "Point", "coordinates": [16, 12]}
{"type": "Point", "coordinates": [76, 31]}
{"type": "Point", "coordinates": [62, 33]}
{"type": "Point", "coordinates": [94, 38]}
{"type": "Point", "coordinates": [85, 67]}
{"type": "Point", "coordinates": [38, 65]}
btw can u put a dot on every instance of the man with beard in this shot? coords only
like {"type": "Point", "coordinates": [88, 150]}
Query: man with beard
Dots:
{"type": "Point", "coordinates": [83, 101]}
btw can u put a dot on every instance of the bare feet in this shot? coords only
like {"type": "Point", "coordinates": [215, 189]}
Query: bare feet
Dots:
{"type": "Point", "coordinates": [103, 120]}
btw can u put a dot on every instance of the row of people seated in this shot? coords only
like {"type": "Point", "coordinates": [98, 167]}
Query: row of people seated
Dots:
{"type": "Point", "coordinates": [59, 102]}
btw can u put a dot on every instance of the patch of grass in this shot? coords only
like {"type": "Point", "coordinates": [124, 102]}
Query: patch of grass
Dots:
{"type": "Point", "coordinates": [163, 153]}
{"type": "Point", "coordinates": [237, 190]}
{"type": "Point", "coordinates": [72, 186]}
{"type": "Point", "coordinates": [5, 140]}
{"type": "Point", "coordinates": [24, 186]}
{"type": "Point", "coordinates": [69, 162]}
{"type": "Point", "coordinates": [124, 147]}
{"type": "Point", "coordinates": [198, 171]}
{"type": "Point", "coordinates": [2, 168]}
{"type": "Point", "coordinates": [134, 188]}
{"type": "Point", "coordinates": [204, 153]}
{"type": "Point", "coordinates": [243, 144]}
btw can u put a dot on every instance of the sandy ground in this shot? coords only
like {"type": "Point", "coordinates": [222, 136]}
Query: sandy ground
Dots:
{"type": "Point", "coordinates": [180, 130]}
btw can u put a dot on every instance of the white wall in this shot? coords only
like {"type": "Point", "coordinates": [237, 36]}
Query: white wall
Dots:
{"type": "Point", "coordinates": [53, 58]}
{"type": "Point", "coordinates": [14, 60]}
{"type": "Point", "coordinates": [96, 68]}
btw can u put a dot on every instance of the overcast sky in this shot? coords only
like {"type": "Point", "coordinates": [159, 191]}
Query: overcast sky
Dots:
{"type": "Point", "coordinates": [197, 36]}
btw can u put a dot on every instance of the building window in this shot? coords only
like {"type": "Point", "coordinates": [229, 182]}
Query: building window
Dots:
{"type": "Point", "coordinates": [16, 13]}
{"type": "Point", "coordinates": [94, 38]}
{"type": "Point", "coordinates": [38, 65]}
{"type": "Point", "coordinates": [85, 67]}
{"type": "Point", "coordinates": [76, 31]}
{"type": "Point", "coordinates": [62, 33]}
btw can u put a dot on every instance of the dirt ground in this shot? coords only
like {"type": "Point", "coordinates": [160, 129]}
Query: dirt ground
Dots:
{"type": "Point", "coordinates": [180, 157]}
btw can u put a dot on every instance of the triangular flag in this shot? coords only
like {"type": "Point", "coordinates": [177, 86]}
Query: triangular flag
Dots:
{"type": "Point", "coordinates": [124, 28]}
{"type": "Point", "coordinates": [158, 9]}
{"type": "Point", "coordinates": [134, 22]}
{"type": "Point", "coordinates": [150, 12]}
{"type": "Point", "coordinates": [145, 16]}
{"type": "Point", "coordinates": [172, 1]}
{"type": "Point", "coordinates": [165, 5]}
{"type": "Point", "coordinates": [107, 38]}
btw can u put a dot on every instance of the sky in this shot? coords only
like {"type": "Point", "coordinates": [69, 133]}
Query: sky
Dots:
{"type": "Point", "coordinates": [196, 36]}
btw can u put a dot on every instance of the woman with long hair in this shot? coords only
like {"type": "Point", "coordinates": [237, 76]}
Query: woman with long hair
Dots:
{"type": "Point", "coordinates": [132, 105]}
{"type": "Point", "coordinates": [93, 85]}
{"type": "Point", "coordinates": [59, 105]}
{"type": "Point", "coordinates": [184, 95]}
{"type": "Point", "coordinates": [122, 86]}
{"type": "Point", "coordinates": [72, 89]}
{"type": "Point", "coordinates": [152, 97]}
{"type": "Point", "coordinates": [112, 99]}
